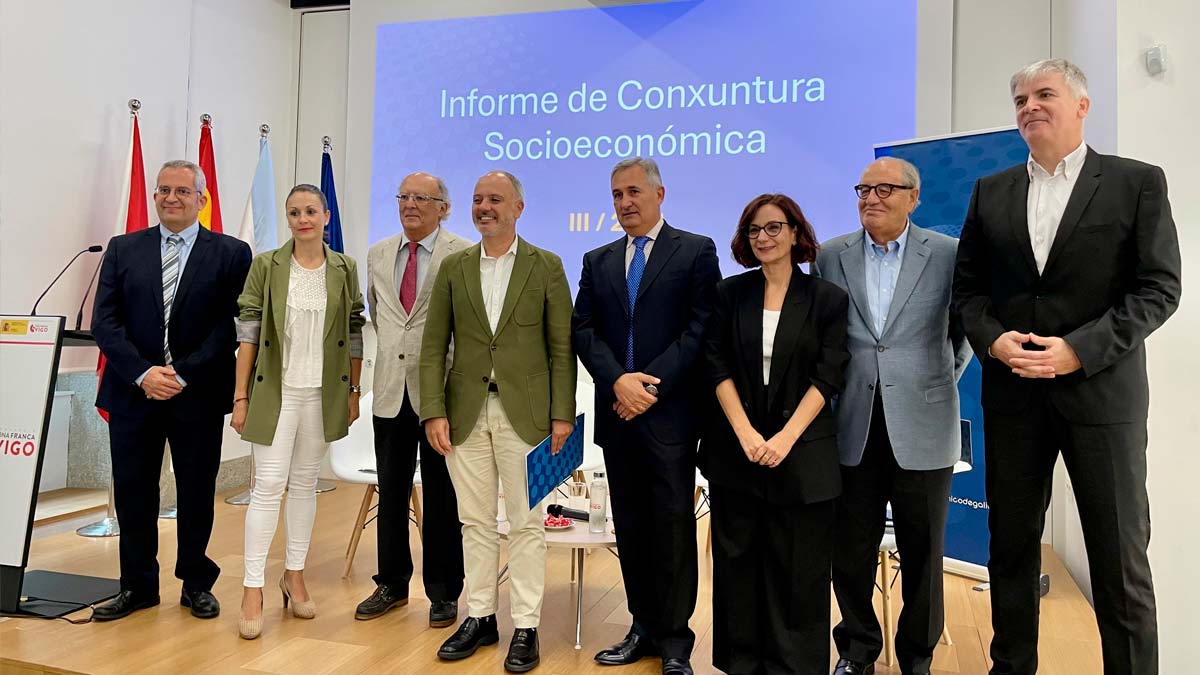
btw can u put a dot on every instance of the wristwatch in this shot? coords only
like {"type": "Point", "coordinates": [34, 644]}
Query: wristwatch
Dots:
{"type": "Point", "coordinates": [651, 389]}
{"type": "Point", "coordinates": [355, 389]}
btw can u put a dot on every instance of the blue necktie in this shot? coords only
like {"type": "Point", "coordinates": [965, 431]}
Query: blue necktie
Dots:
{"type": "Point", "coordinates": [632, 281]}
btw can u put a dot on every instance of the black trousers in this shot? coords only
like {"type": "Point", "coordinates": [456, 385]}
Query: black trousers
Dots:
{"type": "Point", "coordinates": [137, 445]}
{"type": "Point", "coordinates": [653, 488]}
{"type": "Point", "coordinates": [919, 504]}
{"type": "Point", "coordinates": [770, 584]}
{"type": "Point", "coordinates": [397, 440]}
{"type": "Point", "coordinates": [1107, 466]}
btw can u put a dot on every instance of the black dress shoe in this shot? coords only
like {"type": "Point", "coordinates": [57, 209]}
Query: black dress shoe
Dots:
{"type": "Point", "coordinates": [674, 666]}
{"type": "Point", "coordinates": [384, 598]}
{"type": "Point", "coordinates": [442, 613]}
{"type": "Point", "coordinates": [203, 603]}
{"type": "Point", "coordinates": [123, 605]}
{"type": "Point", "coordinates": [627, 651]}
{"type": "Point", "coordinates": [848, 667]}
{"type": "Point", "coordinates": [471, 635]}
{"type": "Point", "coordinates": [522, 651]}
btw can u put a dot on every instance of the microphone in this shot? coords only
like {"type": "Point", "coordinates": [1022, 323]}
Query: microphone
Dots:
{"type": "Point", "coordinates": [94, 248]}
{"type": "Point", "coordinates": [561, 511]}
{"type": "Point", "coordinates": [95, 273]}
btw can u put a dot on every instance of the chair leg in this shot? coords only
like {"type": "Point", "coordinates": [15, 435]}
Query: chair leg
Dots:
{"type": "Point", "coordinates": [886, 590]}
{"type": "Point", "coordinates": [416, 507]}
{"type": "Point", "coordinates": [359, 525]}
{"type": "Point", "coordinates": [946, 635]}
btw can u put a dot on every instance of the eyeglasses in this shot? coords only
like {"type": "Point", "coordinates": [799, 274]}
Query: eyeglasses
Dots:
{"type": "Point", "coordinates": [883, 190]}
{"type": "Point", "coordinates": [772, 229]}
{"type": "Point", "coordinates": [419, 200]}
{"type": "Point", "coordinates": [181, 192]}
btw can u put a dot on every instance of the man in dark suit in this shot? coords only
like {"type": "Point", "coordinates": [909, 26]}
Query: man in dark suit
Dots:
{"type": "Point", "coordinates": [638, 324]}
{"type": "Point", "coordinates": [163, 318]}
{"type": "Point", "coordinates": [898, 418]}
{"type": "Point", "coordinates": [1067, 263]}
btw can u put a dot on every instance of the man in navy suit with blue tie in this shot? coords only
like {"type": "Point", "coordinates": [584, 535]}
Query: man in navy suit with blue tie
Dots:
{"type": "Point", "coordinates": [638, 323]}
{"type": "Point", "coordinates": [163, 317]}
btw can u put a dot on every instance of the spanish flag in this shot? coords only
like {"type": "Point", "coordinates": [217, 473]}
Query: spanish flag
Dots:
{"type": "Point", "coordinates": [210, 215]}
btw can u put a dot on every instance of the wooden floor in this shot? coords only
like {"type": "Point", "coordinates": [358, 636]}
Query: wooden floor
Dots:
{"type": "Point", "coordinates": [166, 639]}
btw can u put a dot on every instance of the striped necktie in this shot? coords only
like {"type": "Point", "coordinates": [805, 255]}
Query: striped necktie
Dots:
{"type": "Point", "coordinates": [633, 280]}
{"type": "Point", "coordinates": [170, 282]}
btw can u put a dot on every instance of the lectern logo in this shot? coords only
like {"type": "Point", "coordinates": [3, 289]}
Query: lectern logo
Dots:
{"type": "Point", "coordinates": [15, 443]}
{"type": "Point", "coordinates": [14, 327]}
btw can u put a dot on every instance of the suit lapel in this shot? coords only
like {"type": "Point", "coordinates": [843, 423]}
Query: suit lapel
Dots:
{"type": "Point", "coordinates": [200, 249]}
{"type": "Point", "coordinates": [614, 269]}
{"type": "Point", "coordinates": [1085, 188]}
{"type": "Point", "coordinates": [522, 267]}
{"type": "Point", "coordinates": [664, 249]}
{"type": "Point", "coordinates": [916, 257]}
{"type": "Point", "coordinates": [855, 271]}
{"type": "Point", "coordinates": [1019, 216]}
{"type": "Point", "coordinates": [150, 248]}
{"type": "Point", "coordinates": [750, 317]}
{"type": "Point", "coordinates": [470, 272]}
{"type": "Point", "coordinates": [335, 283]}
{"type": "Point", "coordinates": [796, 306]}
{"type": "Point", "coordinates": [281, 269]}
{"type": "Point", "coordinates": [387, 275]}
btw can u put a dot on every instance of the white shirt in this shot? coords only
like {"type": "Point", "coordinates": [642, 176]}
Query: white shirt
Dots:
{"type": "Point", "coordinates": [494, 275]}
{"type": "Point", "coordinates": [304, 327]}
{"type": "Point", "coordinates": [770, 325]}
{"type": "Point", "coordinates": [630, 248]}
{"type": "Point", "coordinates": [1048, 195]}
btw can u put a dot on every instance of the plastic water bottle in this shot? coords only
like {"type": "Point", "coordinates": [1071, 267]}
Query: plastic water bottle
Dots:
{"type": "Point", "coordinates": [598, 508]}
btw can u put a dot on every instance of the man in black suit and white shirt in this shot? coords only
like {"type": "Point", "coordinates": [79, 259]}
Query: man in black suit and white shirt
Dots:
{"type": "Point", "coordinates": [163, 317]}
{"type": "Point", "coordinates": [638, 323]}
{"type": "Point", "coordinates": [1066, 264]}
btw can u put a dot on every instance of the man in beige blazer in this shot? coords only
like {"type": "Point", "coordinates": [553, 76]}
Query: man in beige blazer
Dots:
{"type": "Point", "coordinates": [511, 383]}
{"type": "Point", "coordinates": [400, 274]}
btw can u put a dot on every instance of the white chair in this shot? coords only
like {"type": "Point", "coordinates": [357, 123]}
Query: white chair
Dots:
{"type": "Point", "coordinates": [888, 553]}
{"type": "Point", "coordinates": [353, 461]}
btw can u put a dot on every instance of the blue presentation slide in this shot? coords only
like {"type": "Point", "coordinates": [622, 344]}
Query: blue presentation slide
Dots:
{"type": "Point", "coordinates": [732, 98]}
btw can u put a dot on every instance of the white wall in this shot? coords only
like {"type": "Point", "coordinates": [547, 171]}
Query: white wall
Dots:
{"type": "Point", "coordinates": [1155, 123]}
{"type": "Point", "coordinates": [992, 40]}
{"type": "Point", "coordinates": [64, 124]}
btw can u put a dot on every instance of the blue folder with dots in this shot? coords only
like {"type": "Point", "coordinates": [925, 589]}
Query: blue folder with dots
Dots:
{"type": "Point", "coordinates": [544, 472]}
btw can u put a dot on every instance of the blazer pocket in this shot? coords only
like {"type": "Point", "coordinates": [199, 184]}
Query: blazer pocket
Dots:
{"type": "Point", "coordinates": [529, 307]}
{"type": "Point", "coordinates": [940, 393]}
{"type": "Point", "coordinates": [538, 387]}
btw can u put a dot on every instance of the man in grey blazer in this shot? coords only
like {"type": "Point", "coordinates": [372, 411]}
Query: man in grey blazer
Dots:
{"type": "Point", "coordinates": [898, 418]}
{"type": "Point", "coordinates": [400, 274]}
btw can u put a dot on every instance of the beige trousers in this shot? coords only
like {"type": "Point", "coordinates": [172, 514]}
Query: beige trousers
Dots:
{"type": "Point", "coordinates": [494, 450]}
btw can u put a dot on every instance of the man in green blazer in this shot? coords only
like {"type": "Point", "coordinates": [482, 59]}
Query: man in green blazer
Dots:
{"type": "Point", "coordinates": [507, 307]}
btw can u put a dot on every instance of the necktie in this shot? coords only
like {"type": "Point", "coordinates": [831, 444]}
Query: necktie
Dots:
{"type": "Point", "coordinates": [633, 279]}
{"type": "Point", "coordinates": [408, 282]}
{"type": "Point", "coordinates": [170, 281]}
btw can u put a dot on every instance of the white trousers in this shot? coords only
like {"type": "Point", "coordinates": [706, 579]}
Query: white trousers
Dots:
{"type": "Point", "coordinates": [493, 450]}
{"type": "Point", "coordinates": [291, 462]}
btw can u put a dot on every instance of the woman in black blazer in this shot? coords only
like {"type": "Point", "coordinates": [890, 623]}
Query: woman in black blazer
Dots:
{"type": "Point", "coordinates": [776, 349]}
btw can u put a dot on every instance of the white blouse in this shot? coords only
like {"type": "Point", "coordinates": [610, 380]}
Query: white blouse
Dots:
{"type": "Point", "coordinates": [770, 325]}
{"type": "Point", "coordinates": [304, 327]}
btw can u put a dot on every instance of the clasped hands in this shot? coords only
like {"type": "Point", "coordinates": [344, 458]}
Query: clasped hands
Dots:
{"type": "Point", "coordinates": [1057, 357]}
{"type": "Point", "coordinates": [632, 397]}
{"type": "Point", "coordinates": [768, 453]}
{"type": "Point", "coordinates": [160, 383]}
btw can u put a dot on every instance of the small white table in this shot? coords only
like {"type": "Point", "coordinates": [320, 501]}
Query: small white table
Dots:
{"type": "Point", "coordinates": [578, 539]}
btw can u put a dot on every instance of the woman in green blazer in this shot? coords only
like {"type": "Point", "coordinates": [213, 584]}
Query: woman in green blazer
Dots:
{"type": "Point", "coordinates": [300, 353]}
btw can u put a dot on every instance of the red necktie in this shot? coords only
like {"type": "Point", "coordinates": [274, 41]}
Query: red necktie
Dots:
{"type": "Point", "coordinates": [408, 283]}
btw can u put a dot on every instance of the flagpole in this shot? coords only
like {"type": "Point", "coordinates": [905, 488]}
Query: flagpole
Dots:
{"type": "Point", "coordinates": [109, 526]}
{"type": "Point", "coordinates": [324, 485]}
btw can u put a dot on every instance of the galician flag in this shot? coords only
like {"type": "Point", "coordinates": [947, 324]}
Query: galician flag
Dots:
{"type": "Point", "coordinates": [259, 228]}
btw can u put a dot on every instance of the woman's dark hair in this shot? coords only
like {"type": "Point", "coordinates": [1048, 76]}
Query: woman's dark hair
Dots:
{"type": "Point", "coordinates": [313, 189]}
{"type": "Point", "coordinates": [806, 246]}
